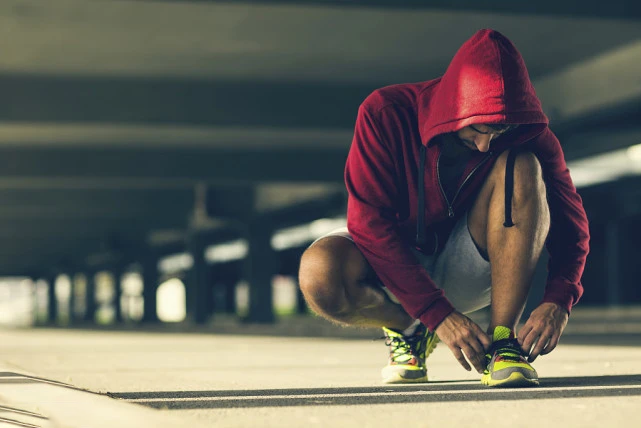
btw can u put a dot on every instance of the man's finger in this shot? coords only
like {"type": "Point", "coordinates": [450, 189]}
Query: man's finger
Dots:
{"type": "Point", "coordinates": [476, 345]}
{"type": "Point", "coordinates": [527, 328]}
{"type": "Point", "coordinates": [529, 340]}
{"type": "Point", "coordinates": [481, 337]}
{"type": "Point", "coordinates": [460, 358]}
{"type": "Point", "coordinates": [475, 350]}
{"type": "Point", "coordinates": [473, 358]}
{"type": "Point", "coordinates": [540, 345]}
{"type": "Point", "coordinates": [480, 364]}
{"type": "Point", "coordinates": [554, 340]}
{"type": "Point", "coordinates": [485, 341]}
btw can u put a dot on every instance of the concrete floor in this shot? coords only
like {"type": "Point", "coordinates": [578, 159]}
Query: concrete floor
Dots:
{"type": "Point", "coordinates": [239, 380]}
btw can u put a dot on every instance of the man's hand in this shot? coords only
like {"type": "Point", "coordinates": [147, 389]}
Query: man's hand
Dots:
{"type": "Point", "coordinates": [543, 330]}
{"type": "Point", "coordinates": [463, 336]}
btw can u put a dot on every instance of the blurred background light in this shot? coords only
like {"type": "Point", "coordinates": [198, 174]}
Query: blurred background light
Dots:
{"type": "Point", "coordinates": [171, 301]}
{"type": "Point", "coordinates": [606, 167]}
{"type": "Point", "coordinates": [228, 251]}
{"type": "Point", "coordinates": [300, 235]}
{"type": "Point", "coordinates": [175, 263]}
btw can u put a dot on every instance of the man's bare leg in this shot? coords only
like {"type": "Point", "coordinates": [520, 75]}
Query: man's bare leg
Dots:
{"type": "Point", "coordinates": [337, 283]}
{"type": "Point", "coordinates": [513, 251]}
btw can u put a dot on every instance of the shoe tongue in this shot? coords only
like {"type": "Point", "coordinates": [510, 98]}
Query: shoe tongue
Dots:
{"type": "Point", "coordinates": [501, 332]}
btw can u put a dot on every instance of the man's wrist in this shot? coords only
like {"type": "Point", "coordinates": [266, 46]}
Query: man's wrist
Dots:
{"type": "Point", "coordinates": [436, 313]}
{"type": "Point", "coordinates": [563, 301]}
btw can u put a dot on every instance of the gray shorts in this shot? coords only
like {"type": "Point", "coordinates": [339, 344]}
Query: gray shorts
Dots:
{"type": "Point", "coordinates": [459, 269]}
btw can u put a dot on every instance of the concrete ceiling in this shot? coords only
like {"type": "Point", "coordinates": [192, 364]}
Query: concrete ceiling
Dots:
{"type": "Point", "coordinates": [116, 110]}
{"type": "Point", "coordinates": [280, 42]}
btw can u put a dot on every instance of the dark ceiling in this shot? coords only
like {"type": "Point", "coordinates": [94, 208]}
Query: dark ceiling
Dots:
{"type": "Point", "coordinates": [116, 111]}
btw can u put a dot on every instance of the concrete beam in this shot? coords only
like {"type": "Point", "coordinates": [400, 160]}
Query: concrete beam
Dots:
{"type": "Point", "coordinates": [159, 136]}
{"type": "Point", "coordinates": [616, 9]}
{"type": "Point", "coordinates": [75, 228]}
{"type": "Point", "coordinates": [20, 167]}
{"type": "Point", "coordinates": [585, 144]}
{"type": "Point", "coordinates": [24, 261]}
{"type": "Point", "coordinates": [82, 197]}
{"type": "Point", "coordinates": [111, 206]}
{"type": "Point", "coordinates": [177, 103]}
{"type": "Point", "coordinates": [601, 85]}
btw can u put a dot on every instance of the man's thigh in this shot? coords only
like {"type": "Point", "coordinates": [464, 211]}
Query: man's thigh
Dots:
{"type": "Point", "coordinates": [459, 269]}
{"type": "Point", "coordinates": [347, 259]}
{"type": "Point", "coordinates": [360, 268]}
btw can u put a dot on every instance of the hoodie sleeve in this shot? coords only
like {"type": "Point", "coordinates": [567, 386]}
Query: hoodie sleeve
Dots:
{"type": "Point", "coordinates": [372, 184]}
{"type": "Point", "coordinates": [568, 239]}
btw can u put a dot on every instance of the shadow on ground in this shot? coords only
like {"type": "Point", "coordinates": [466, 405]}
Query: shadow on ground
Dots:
{"type": "Point", "coordinates": [559, 387]}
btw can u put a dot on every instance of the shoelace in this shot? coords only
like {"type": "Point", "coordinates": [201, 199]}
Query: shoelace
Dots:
{"type": "Point", "coordinates": [401, 347]}
{"type": "Point", "coordinates": [509, 349]}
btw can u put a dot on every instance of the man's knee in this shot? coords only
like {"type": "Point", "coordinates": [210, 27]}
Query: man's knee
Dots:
{"type": "Point", "coordinates": [327, 270]}
{"type": "Point", "coordinates": [526, 175]}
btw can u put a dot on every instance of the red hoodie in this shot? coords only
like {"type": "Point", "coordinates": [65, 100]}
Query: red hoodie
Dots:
{"type": "Point", "coordinates": [486, 82]}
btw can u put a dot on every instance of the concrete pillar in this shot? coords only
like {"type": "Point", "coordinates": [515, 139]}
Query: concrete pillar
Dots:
{"type": "Point", "coordinates": [72, 298]}
{"type": "Point", "coordinates": [52, 311]}
{"type": "Point", "coordinates": [35, 298]}
{"type": "Point", "coordinates": [230, 297]}
{"type": "Point", "coordinates": [117, 272]}
{"type": "Point", "coordinates": [150, 281]}
{"type": "Point", "coordinates": [90, 297]}
{"type": "Point", "coordinates": [225, 277]}
{"type": "Point", "coordinates": [260, 267]}
{"type": "Point", "coordinates": [198, 286]}
{"type": "Point", "coordinates": [613, 262]}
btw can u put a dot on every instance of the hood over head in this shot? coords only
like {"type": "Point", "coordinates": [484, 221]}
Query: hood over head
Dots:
{"type": "Point", "coordinates": [486, 82]}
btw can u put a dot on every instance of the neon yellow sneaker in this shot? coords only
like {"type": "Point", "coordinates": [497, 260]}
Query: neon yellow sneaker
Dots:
{"type": "Point", "coordinates": [507, 366]}
{"type": "Point", "coordinates": [407, 355]}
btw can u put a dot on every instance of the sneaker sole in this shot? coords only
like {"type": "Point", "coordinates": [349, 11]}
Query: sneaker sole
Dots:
{"type": "Point", "coordinates": [393, 374]}
{"type": "Point", "coordinates": [516, 379]}
{"type": "Point", "coordinates": [397, 378]}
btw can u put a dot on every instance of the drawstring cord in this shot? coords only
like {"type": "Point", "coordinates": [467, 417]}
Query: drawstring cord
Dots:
{"type": "Point", "coordinates": [509, 187]}
{"type": "Point", "coordinates": [420, 217]}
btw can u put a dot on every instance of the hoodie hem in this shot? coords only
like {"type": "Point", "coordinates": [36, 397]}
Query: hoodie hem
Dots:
{"type": "Point", "coordinates": [436, 313]}
{"type": "Point", "coordinates": [566, 301]}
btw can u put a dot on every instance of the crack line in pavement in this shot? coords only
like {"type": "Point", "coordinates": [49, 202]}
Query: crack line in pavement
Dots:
{"type": "Point", "coordinates": [18, 423]}
{"type": "Point", "coordinates": [17, 378]}
{"type": "Point", "coordinates": [5, 409]}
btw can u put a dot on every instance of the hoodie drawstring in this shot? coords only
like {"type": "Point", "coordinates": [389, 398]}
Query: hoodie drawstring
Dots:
{"type": "Point", "coordinates": [420, 217]}
{"type": "Point", "coordinates": [509, 186]}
